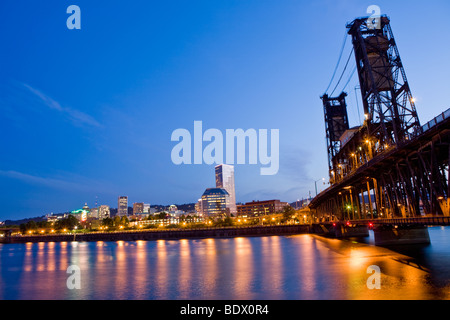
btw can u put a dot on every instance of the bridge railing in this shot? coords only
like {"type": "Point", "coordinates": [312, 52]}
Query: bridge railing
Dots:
{"type": "Point", "coordinates": [445, 115]}
{"type": "Point", "coordinates": [431, 221]}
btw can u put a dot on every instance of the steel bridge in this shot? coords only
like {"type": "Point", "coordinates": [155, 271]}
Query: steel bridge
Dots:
{"type": "Point", "coordinates": [391, 167]}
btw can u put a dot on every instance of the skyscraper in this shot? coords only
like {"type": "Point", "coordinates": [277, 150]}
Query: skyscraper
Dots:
{"type": "Point", "coordinates": [122, 208]}
{"type": "Point", "coordinates": [215, 203]}
{"type": "Point", "coordinates": [103, 212]}
{"type": "Point", "coordinates": [138, 208]}
{"type": "Point", "coordinates": [93, 213]}
{"type": "Point", "coordinates": [225, 180]}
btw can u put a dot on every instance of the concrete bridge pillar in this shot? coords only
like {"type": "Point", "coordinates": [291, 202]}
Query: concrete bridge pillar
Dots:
{"type": "Point", "coordinates": [341, 231]}
{"type": "Point", "coordinates": [350, 231]}
{"type": "Point", "coordinates": [392, 235]}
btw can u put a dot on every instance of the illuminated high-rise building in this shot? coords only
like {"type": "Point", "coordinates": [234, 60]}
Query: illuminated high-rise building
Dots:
{"type": "Point", "coordinates": [225, 180]}
{"type": "Point", "coordinates": [103, 212]}
{"type": "Point", "coordinates": [93, 213]}
{"type": "Point", "coordinates": [215, 203]}
{"type": "Point", "coordinates": [138, 208]}
{"type": "Point", "coordinates": [122, 208]}
{"type": "Point", "coordinates": [199, 207]}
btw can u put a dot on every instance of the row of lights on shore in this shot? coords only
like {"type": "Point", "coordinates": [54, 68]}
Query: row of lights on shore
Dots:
{"type": "Point", "coordinates": [141, 226]}
{"type": "Point", "coordinates": [51, 231]}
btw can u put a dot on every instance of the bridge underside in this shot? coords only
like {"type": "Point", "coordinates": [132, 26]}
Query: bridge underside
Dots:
{"type": "Point", "coordinates": [410, 180]}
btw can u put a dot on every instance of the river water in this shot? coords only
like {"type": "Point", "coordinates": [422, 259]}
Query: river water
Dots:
{"type": "Point", "coordinates": [303, 267]}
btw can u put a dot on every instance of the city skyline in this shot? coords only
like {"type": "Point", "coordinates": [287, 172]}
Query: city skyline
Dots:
{"type": "Point", "coordinates": [89, 113]}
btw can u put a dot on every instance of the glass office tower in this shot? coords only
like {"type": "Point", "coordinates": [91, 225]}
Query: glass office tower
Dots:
{"type": "Point", "coordinates": [215, 202]}
{"type": "Point", "coordinates": [225, 180]}
{"type": "Point", "coordinates": [104, 212]}
{"type": "Point", "coordinates": [122, 208]}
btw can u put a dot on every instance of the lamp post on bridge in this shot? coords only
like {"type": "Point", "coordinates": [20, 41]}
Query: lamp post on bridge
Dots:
{"type": "Point", "coordinates": [315, 182]}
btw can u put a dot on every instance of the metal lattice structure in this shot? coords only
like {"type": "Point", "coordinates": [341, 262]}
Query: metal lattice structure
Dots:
{"type": "Point", "coordinates": [336, 124]}
{"type": "Point", "coordinates": [389, 107]}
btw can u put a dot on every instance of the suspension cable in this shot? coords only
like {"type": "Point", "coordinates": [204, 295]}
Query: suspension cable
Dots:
{"type": "Point", "coordinates": [349, 79]}
{"type": "Point", "coordinates": [339, 61]}
{"type": "Point", "coordinates": [343, 72]}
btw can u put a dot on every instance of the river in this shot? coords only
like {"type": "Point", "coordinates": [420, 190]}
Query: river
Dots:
{"type": "Point", "coordinates": [304, 267]}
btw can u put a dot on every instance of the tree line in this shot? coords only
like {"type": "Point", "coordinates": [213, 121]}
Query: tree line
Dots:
{"type": "Point", "coordinates": [67, 223]}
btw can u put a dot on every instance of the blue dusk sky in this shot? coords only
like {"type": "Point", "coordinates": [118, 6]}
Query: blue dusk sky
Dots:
{"type": "Point", "coordinates": [87, 115]}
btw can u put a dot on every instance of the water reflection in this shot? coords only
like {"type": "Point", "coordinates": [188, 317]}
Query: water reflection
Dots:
{"type": "Point", "coordinates": [207, 266]}
{"type": "Point", "coordinates": [275, 268]}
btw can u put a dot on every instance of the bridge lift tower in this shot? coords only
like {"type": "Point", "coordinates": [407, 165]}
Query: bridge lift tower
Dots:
{"type": "Point", "coordinates": [389, 107]}
{"type": "Point", "coordinates": [336, 124]}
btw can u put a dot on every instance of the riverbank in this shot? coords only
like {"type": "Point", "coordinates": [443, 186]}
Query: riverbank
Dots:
{"type": "Point", "coordinates": [175, 234]}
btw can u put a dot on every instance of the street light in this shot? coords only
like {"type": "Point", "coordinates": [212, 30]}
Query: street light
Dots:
{"type": "Point", "coordinates": [315, 182]}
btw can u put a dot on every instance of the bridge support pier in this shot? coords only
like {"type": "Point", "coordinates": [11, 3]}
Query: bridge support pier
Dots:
{"type": "Point", "coordinates": [340, 231]}
{"type": "Point", "coordinates": [344, 231]}
{"type": "Point", "coordinates": [401, 235]}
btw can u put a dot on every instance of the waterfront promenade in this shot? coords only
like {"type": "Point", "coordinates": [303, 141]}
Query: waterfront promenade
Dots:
{"type": "Point", "coordinates": [173, 234]}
